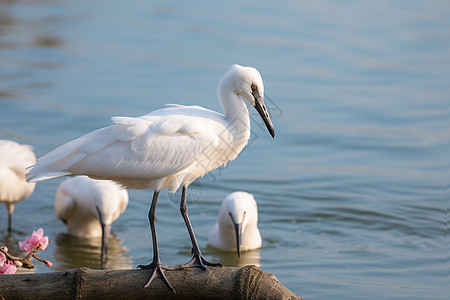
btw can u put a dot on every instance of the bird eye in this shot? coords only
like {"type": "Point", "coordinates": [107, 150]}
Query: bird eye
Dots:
{"type": "Point", "coordinates": [254, 87]}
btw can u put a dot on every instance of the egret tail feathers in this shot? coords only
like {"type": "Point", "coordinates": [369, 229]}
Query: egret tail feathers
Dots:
{"type": "Point", "coordinates": [40, 177]}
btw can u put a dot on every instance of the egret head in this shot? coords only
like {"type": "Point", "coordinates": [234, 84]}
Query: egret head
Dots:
{"type": "Point", "coordinates": [247, 83]}
{"type": "Point", "coordinates": [239, 210]}
{"type": "Point", "coordinates": [110, 203]}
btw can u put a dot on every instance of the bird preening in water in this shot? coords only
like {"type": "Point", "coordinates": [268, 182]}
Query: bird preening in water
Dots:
{"type": "Point", "coordinates": [14, 158]}
{"type": "Point", "coordinates": [165, 149]}
{"type": "Point", "coordinates": [237, 224]}
{"type": "Point", "coordinates": [88, 207]}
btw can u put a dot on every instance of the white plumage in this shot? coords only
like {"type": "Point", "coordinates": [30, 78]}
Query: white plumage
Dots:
{"type": "Point", "coordinates": [90, 206]}
{"type": "Point", "coordinates": [14, 158]}
{"type": "Point", "coordinates": [237, 224]}
{"type": "Point", "coordinates": [167, 148]}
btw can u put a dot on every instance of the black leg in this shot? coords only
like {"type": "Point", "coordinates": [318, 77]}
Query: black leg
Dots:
{"type": "Point", "coordinates": [156, 263]}
{"type": "Point", "coordinates": [10, 209]}
{"type": "Point", "coordinates": [9, 222]}
{"type": "Point", "coordinates": [197, 260]}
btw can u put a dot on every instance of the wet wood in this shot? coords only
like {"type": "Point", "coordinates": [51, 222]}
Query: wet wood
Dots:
{"type": "Point", "coordinates": [248, 282]}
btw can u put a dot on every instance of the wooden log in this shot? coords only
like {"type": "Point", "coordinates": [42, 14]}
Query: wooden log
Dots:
{"type": "Point", "coordinates": [248, 282]}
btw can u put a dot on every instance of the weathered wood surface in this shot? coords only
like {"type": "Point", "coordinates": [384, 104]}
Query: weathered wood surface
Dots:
{"type": "Point", "coordinates": [248, 282]}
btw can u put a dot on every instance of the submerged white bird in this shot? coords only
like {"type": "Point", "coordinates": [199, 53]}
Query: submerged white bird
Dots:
{"type": "Point", "coordinates": [88, 207]}
{"type": "Point", "coordinates": [237, 224]}
{"type": "Point", "coordinates": [167, 148]}
{"type": "Point", "coordinates": [14, 158]}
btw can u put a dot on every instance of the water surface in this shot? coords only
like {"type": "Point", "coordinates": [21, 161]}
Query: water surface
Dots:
{"type": "Point", "coordinates": [352, 192]}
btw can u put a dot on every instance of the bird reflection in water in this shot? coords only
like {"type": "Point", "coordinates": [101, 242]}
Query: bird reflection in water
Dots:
{"type": "Point", "coordinates": [73, 252]}
{"type": "Point", "coordinates": [230, 259]}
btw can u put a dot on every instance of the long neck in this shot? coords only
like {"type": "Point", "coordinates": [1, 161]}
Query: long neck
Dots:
{"type": "Point", "coordinates": [236, 114]}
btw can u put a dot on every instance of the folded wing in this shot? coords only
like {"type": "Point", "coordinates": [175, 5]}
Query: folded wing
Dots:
{"type": "Point", "coordinates": [145, 148]}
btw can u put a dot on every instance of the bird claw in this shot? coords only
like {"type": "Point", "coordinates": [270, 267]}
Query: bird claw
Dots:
{"type": "Point", "coordinates": [157, 272]}
{"type": "Point", "coordinates": [152, 265]}
{"type": "Point", "coordinates": [200, 262]}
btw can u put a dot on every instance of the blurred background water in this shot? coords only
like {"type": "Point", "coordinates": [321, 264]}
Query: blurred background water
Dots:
{"type": "Point", "coordinates": [353, 190]}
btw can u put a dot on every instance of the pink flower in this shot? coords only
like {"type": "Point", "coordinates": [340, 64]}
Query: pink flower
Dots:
{"type": "Point", "coordinates": [48, 263]}
{"type": "Point", "coordinates": [8, 268]}
{"type": "Point", "coordinates": [3, 256]}
{"type": "Point", "coordinates": [2, 259]}
{"type": "Point", "coordinates": [35, 239]}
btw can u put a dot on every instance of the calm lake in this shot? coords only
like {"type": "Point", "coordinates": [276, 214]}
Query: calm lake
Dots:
{"type": "Point", "coordinates": [352, 192]}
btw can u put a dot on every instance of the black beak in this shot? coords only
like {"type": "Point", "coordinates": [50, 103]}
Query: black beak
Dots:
{"type": "Point", "coordinates": [105, 232]}
{"type": "Point", "coordinates": [262, 110]}
{"type": "Point", "coordinates": [238, 231]}
{"type": "Point", "coordinates": [105, 238]}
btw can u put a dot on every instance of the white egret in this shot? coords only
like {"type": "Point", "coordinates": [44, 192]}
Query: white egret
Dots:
{"type": "Point", "coordinates": [166, 148]}
{"type": "Point", "coordinates": [88, 207]}
{"type": "Point", "coordinates": [14, 158]}
{"type": "Point", "coordinates": [237, 224]}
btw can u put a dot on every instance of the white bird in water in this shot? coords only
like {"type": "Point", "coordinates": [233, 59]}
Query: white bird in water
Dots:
{"type": "Point", "coordinates": [237, 224]}
{"type": "Point", "coordinates": [14, 158]}
{"type": "Point", "coordinates": [88, 207]}
{"type": "Point", "coordinates": [165, 149]}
